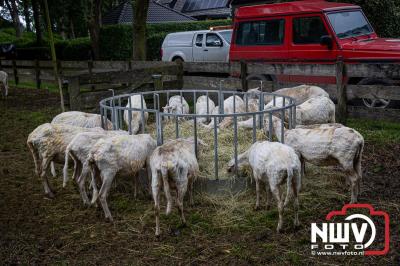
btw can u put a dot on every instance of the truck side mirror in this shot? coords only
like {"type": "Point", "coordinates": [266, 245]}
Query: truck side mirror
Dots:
{"type": "Point", "coordinates": [327, 40]}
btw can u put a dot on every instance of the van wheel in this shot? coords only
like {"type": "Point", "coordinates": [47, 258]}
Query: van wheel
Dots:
{"type": "Point", "coordinates": [375, 102]}
{"type": "Point", "coordinates": [177, 60]}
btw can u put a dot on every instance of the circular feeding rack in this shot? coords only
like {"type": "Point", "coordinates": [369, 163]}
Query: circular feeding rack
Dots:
{"type": "Point", "coordinates": [238, 120]}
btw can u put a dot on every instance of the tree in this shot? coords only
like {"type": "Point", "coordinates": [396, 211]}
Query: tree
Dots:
{"type": "Point", "coordinates": [94, 24]}
{"type": "Point", "coordinates": [140, 9]}
{"type": "Point", "coordinates": [36, 21]}
{"type": "Point", "coordinates": [13, 9]}
{"type": "Point", "coordinates": [27, 14]}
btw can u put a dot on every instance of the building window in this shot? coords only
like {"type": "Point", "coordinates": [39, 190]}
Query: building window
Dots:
{"type": "Point", "coordinates": [308, 30]}
{"type": "Point", "coordinates": [268, 32]}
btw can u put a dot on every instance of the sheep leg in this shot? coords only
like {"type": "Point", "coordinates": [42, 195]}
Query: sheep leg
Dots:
{"type": "Point", "coordinates": [35, 156]}
{"type": "Point", "coordinates": [296, 185]}
{"type": "Point", "coordinates": [167, 191]}
{"type": "Point", "coordinates": [107, 178]}
{"type": "Point", "coordinates": [181, 191]}
{"type": "Point", "coordinates": [278, 195]}
{"type": "Point", "coordinates": [355, 184]}
{"type": "Point", "coordinates": [81, 183]}
{"type": "Point", "coordinates": [191, 202]}
{"type": "Point", "coordinates": [46, 186]}
{"type": "Point", "coordinates": [135, 185]}
{"type": "Point", "coordinates": [269, 195]}
{"type": "Point", "coordinates": [53, 169]}
{"type": "Point", "coordinates": [95, 176]}
{"type": "Point", "coordinates": [257, 180]}
{"type": "Point", "coordinates": [156, 188]}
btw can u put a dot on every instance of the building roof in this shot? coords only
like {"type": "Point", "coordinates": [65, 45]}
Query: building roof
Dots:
{"type": "Point", "coordinates": [157, 13]}
{"type": "Point", "coordinates": [307, 6]}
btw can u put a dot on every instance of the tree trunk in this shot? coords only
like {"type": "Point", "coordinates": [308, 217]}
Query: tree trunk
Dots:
{"type": "Point", "coordinates": [94, 24]}
{"type": "Point", "coordinates": [36, 20]}
{"type": "Point", "coordinates": [72, 28]}
{"type": "Point", "coordinates": [140, 9]}
{"type": "Point", "coordinates": [27, 15]}
{"type": "Point", "coordinates": [13, 8]}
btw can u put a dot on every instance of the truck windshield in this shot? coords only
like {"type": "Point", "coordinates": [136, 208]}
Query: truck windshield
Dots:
{"type": "Point", "coordinates": [227, 35]}
{"type": "Point", "coordinates": [350, 24]}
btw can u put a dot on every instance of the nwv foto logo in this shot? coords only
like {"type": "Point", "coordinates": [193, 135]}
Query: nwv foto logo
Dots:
{"type": "Point", "coordinates": [357, 233]}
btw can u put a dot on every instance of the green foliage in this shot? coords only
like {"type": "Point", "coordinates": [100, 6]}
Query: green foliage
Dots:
{"type": "Point", "coordinates": [116, 40]}
{"type": "Point", "coordinates": [76, 49]}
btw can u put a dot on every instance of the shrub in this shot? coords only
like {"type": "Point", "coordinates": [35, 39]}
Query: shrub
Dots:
{"type": "Point", "coordinates": [76, 49]}
{"type": "Point", "coordinates": [154, 43]}
{"type": "Point", "coordinates": [116, 42]}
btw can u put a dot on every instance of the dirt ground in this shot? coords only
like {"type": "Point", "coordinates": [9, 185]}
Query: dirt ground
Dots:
{"type": "Point", "coordinates": [221, 230]}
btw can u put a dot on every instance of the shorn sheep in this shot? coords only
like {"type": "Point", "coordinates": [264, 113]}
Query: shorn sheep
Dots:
{"type": "Point", "coordinates": [231, 105]}
{"type": "Point", "coordinates": [204, 108]}
{"type": "Point", "coordinates": [173, 166]}
{"type": "Point", "coordinates": [300, 93]}
{"type": "Point", "coordinates": [48, 143]}
{"type": "Point", "coordinates": [136, 116]}
{"type": "Point", "coordinates": [176, 105]}
{"type": "Point", "coordinates": [327, 145]}
{"type": "Point", "coordinates": [4, 82]}
{"type": "Point", "coordinates": [78, 150]}
{"type": "Point", "coordinates": [81, 119]}
{"type": "Point", "coordinates": [122, 155]}
{"type": "Point", "coordinates": [274, 164]}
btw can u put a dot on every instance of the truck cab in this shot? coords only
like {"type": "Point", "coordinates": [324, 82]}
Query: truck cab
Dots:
{"type": "Point", "coordinates": [197, 46]}
{"type": "Point", "coordinates": [310, 31]}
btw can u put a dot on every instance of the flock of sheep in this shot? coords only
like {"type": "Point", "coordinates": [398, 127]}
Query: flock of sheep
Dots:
{"type": "Point", "coordinates": [174, 166]}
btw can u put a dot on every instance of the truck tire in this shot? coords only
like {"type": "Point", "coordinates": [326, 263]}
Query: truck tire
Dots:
{"type": "Point", "coordinates": [177, 59]}
{"type": "Point", "coordinates": [376, 103]}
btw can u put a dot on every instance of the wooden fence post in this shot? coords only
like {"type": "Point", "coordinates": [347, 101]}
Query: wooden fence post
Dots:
{"type": "Point", "coordinates": [90, 66]}
{"type": "Point", "coordinates": [341, 113]}
{"type": "Point", "coordinates": [179, 74]}
{"type": "Point", "coordinates": [243, 76]}
{"type": "Point", "coordinates": [15, 71]}
{"type": "Point", "coordinates": [158, 83]}
{"type": "Point", "coordinates": [1, 66]}
{"type": "Point", "coordinates": [74, 94]}
{"type": "Point", "coordinates": [37, 74]}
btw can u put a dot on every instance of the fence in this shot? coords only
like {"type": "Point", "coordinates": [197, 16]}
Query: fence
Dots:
{"type": "Point", "coordinates": [89, 81]}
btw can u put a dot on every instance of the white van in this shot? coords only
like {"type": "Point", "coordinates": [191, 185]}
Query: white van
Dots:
{"type": "Point", "coordinates": [197, 46]}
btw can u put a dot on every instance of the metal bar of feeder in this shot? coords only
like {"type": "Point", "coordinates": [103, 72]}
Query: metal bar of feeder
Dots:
{"type": "Point", "coordinates": [195, 136]}
{"type": "Point", "coordinates": [294, 115]}
{"type": "Point", "coordinates": [208, 104]}
{"type": "Point", "coordinates": [283, 126]}
{"type": "Point", "coordinates": [194, 102]}
{"type": "Point", "coordinates": [130, 116]}
{"type": "Point", "coordinates": [254, 128]}
{"type": "Point", "coordinates": [142, 112]}
{"type": "Point", "coordinates": [270, 135]}
{"type": "Point", "coordinates": [247, 102]}
{"type": "Point", "coordinates": [216, 148]}
{"type": "Point", "coordinates": [176, 127]}
{"type": "Point", "coordinates": [235, 140]}
{"type": "Point", "coordinates": [120, 113]}
{"type": "Point", "coordinates": [234, 102]}
{"type": "Point", "coordinates": [290, 117]}
{"type": "Point", "coordinates": [102, 117]}
{"type": "Point", "coordinates": [261, 109]}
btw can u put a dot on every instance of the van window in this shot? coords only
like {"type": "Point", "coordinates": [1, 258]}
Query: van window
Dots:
{"type": "Point", "coordinates": [308, 30]}
{"type": "Point", "coordinates": [268, 32]}
{"type": "Point", "coordinates": [199, 40]}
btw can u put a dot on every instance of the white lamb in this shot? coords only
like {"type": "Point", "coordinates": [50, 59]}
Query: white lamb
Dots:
{"type": "Point", "coordinates": [173, 165]}
{"type": "Point", "coordinates": [274, 164]}
{"type": "Point", "coordinates": [81, 119]}
{"type": "Point", "coordinates": [78, 150]}
{"type": "Point", "coordinates": [203, 109]}
{"type": "Point", "coordinates": [48, 143]}
{"type": "Point", "coordinates": [327, 145]}
{"type": "Point", "coordinates": [122, 155]}
{"type": "Point", "coordinates": [176, 105]}
{"type": "Point", "coordinates": [4, 82]}
{"type": "Point", "coordinates": [136, 116]}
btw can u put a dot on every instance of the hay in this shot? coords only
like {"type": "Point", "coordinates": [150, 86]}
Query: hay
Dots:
{"type": "Point", "coordinates": [206, 154]}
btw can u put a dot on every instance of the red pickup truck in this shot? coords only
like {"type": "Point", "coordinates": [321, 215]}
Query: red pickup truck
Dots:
{"type": "Point", "coordinates": [313, 31]}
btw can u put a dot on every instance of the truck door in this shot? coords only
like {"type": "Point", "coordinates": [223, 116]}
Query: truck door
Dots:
{"type": "Point", "coordinates": [306, 40]}
{"type": "Point", "coordinates": [198, 46]}
{"type": "Point", "coordinates": [214, 50]}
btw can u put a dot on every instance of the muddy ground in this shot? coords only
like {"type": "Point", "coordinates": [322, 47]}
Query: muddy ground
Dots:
{"type": "Point", "coordinates": [221, 230]}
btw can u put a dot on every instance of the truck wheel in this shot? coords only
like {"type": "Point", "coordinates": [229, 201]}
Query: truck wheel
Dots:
{"type": "Point", "coordinates": [375, 102]}
{"type": "Point", "coordinates": [177, 60]}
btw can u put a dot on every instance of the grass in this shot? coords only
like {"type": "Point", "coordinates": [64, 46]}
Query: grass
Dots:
{"type": "Point", "coordinates": [222, 229]}
{"type": "Point", "coordinates": [32, 85]}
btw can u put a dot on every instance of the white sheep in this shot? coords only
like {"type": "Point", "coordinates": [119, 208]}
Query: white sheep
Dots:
{"type": "Point", "coordinates": [203, 109]}
{"type": "Point", "coordinates": [122, 155]}
{"type": "Point", "coordinates": [327, 145]}
{"type": "Point", "coordinates": [231, 105]}
{"type": "Point", "coordinates": [300, 93]}
{"type": "Point", "coordinates": [273, 163]}
{"type": "Point", "coordinates": [78, 150]}
{"type": "Point", "coordinates": [136, 116]}
{"type": "Point", "coordinates": [173, 165]}
{"type": "Point", "coordinates": [176, 105]}
{"type": "Point", "coordinates": [48, 143]}
{"type": "Point", "coordinates": [4, 82]}
{"type": "Point", "coordinates": [81, 119]}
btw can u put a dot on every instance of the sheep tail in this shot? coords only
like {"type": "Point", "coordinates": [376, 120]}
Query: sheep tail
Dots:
{"type": "Point", "coordinates": [290, 186]}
